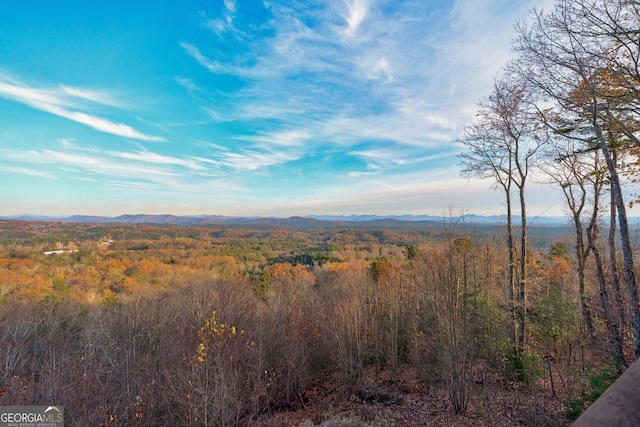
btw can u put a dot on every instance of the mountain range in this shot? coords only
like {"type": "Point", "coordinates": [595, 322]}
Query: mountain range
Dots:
{"type": "Point", "coordinates": [294, 221]}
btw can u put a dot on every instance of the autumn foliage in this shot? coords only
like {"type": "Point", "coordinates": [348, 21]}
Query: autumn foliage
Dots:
{"type": "Point", "coordinates": [152, 326]}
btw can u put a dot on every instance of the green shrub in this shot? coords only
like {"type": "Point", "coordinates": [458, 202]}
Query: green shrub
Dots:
{"type": "Point", "coordinates": [596, 385]}
{"type": "Point", "coordinates": [521, 365]}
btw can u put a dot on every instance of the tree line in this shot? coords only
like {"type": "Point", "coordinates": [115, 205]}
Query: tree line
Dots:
{"type": "Point", "coordinates": [565, 110]}
{"type": "Point", "coordinates": [194, 326]}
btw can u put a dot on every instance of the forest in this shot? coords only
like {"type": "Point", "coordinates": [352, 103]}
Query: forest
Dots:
{"type": "Point", "coordinates": [151, 325]}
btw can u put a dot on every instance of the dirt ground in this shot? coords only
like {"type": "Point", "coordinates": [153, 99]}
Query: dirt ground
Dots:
{"type": "Point", "coordinates": [405, 398]}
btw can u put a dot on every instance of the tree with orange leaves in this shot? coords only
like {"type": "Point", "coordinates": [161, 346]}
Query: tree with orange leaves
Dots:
{"type": "Point", "coordinates": [287, 279]}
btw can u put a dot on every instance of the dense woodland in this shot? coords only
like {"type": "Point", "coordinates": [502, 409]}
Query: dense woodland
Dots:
{"type": "Point", "coordinates": [151, 325]}
{"type": "Point", "coordinates": [208, 325]}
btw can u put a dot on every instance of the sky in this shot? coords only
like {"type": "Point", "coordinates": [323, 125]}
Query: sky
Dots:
{"type": "Point", "coordinates": [248, 108]}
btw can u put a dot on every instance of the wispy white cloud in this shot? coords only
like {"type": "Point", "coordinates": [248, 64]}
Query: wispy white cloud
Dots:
{"type": "Point", "coordinates": [67, 143]}
{"type": "Point", "coordinates": [138, 171]}
{"type": "Point", "coordinates": [178, 191]}
{"type": "Point", "coordinates": [188, 84]}
{"type": "Point", "coordinates": [142, 170]}
{"type": "Point", "coordinates": [380, 156]}
{"type": "Point", "coordinates": [230, 5]}
{"type": "Point", "coordinates": [99, 97]}
{"type": "Point", "coordinates": [472, 48]}
{"type": "Point", "coordinates": [155, 158]}
{"type": "Point", "coordinates": [345, 105]}
{"type": "Point", "coordinates": [92, 164]}
{"type": "Point", "coordinates": [213, 66]}
{"type": "Point", "coordinates": [249, 160]}
{"type": "Point", "coordinates": [364, 173]}
{"type": "Point", "coordinates": [379, 87]}
{"type": "Point", "coordinates": [60, 100]}
{"type": "Point", "coordinates": [218, 26]}
{"type": "Point", "coordinates": [357, 73]}
{"type": "Point", "coordinates": [286, 138]}
{"type": "Point", "coordinates": [312, 83]}
{"type": "Point", "coordinates": [356, 13]}
{"type": "Point", "coordinates": [294, 48]}
{"type": "Point", "coordinates": [18, 170]}
{"type": "Point", "coordinates": [382, 69]}
{"type": "Point", "coordinates": [384, 184]}
{"type": "Point", "coordinates": [225, 22]}
{"type": "Point", "coordinates": [102, 125]}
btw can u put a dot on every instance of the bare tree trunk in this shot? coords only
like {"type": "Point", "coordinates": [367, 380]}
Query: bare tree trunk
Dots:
{"type": "Point", "coordinates": [523, 269]}
{"type": "Point", "coordinates": [581, 255]}
{"type": "Point", "coordinates": [565, 166]}
{"type": "Point", "coordinates": [511, 278]}
{"type": "Point", "coordinates": [627, 252]}
{"type": "Point", "coordinates": [614, 338]}
{"type": "Point", "coordinates": [618, 304]}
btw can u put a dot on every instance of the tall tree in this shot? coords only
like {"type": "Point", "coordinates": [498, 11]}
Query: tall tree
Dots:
{"type": "Point", "coordinates": [581, 174]}
{"type": "Point", "coordinates": [488, 157]}
{"type": "Point", "coordinates": [580, 68]}
{"type": "Point", "coordinates": [573, 169]}
{"type": "Point", "coordinates": [501, 145]}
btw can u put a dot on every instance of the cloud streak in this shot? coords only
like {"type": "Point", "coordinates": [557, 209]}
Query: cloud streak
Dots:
{"type": "Point", "coordinates": [59, 101]}
{"type": "Point", "coordinates": [158, 159]}
{"type": "Point", "coordinates": [142, 168]}
{"type": "Point", "coordinates": [210, 65]}
{"type": "Point", "coordinates": [17, 170]}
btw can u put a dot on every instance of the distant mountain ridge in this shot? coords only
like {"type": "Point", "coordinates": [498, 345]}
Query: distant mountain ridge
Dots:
{"type": "Point", "coordinates": [469, 218]}
{"type": "Point", "coordinates": [294, 221]}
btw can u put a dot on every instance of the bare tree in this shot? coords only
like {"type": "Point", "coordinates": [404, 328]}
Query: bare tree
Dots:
{"type": "Point", "coordinates": [614, 271]}
{"type": "Point", "coordinates": [573, 169]}
{"type": "Point", "coordinates": [581, 175]}
{"type": "Point", "coordinates": [581, 56]}
{"type": "Point", "coordinates": [502, 145]}
{"type": "Point", "coordinates": [488, 156]}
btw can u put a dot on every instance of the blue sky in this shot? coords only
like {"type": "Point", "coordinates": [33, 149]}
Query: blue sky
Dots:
{"type": "Point", "coordinates": [247, 107]}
